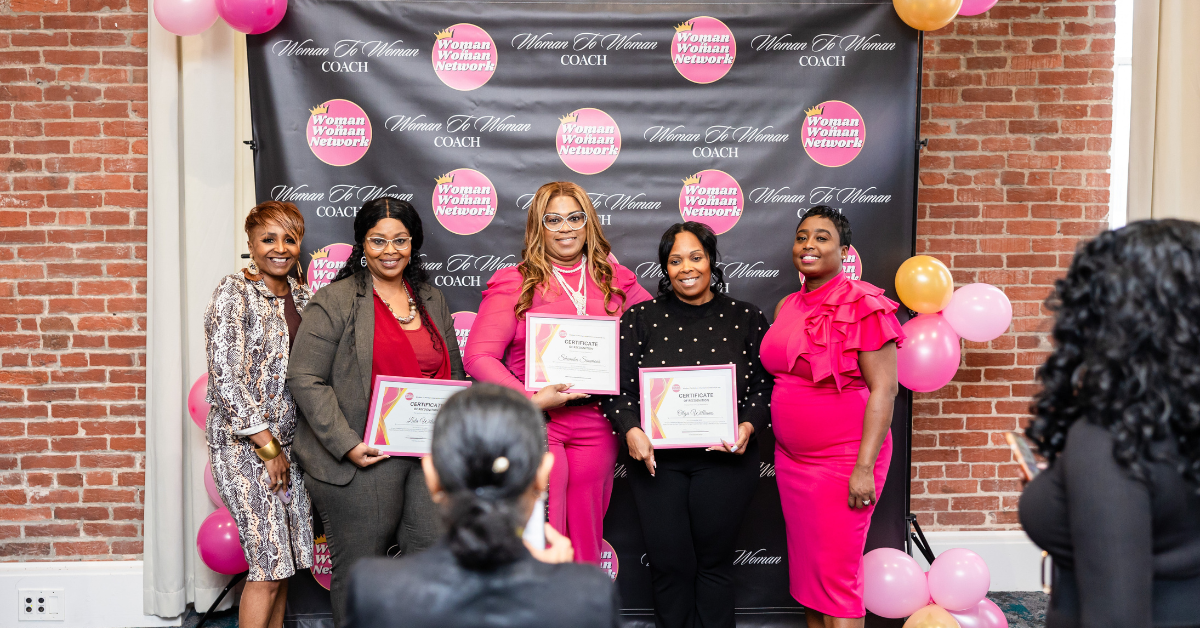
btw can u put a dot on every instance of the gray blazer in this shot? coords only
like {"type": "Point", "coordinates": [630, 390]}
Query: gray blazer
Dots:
{"type": "Point", "coordinates": [329, 372]}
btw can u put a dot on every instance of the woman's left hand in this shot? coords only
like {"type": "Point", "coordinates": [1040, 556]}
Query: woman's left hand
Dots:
{"type": "Point", "coordinates": [745, 429]}
{"type": "Point", "coordinates": [862, 487]}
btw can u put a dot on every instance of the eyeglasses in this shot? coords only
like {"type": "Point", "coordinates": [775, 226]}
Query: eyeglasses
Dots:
{"type": "Point", "coordinates": [379, 244]}
{"type": "Point", "coordinates": [574, 221]}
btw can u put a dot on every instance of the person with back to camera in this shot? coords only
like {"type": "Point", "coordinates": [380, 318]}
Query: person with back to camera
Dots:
{"type": "Point", "coordinates": [565, 269]}
{"type": "Point", "coordinates": [488, 465]}
{"type": "Point", "coordinates": [1118, 417]}
{"type": "Point", "coordinates": [379, 316]}
{"type": "Point", "coordinates": [691, 505]}
{"type": "Point", "coordinates": [832, 350]}
{"type": "Point", "coordinates": [249, 329]}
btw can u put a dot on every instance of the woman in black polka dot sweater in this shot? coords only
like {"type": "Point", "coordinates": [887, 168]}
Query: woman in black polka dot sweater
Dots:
{"type": "Point", "coordinates": [691, 505]}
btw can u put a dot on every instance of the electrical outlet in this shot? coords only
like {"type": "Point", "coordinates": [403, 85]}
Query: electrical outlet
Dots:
{"type": "Point", "coordinates": [41, 604]}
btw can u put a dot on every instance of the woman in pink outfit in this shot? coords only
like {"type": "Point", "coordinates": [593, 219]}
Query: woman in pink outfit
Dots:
{"type": "Point", "coordinates": [832, 350]}
{"type": "Point", "coordinates": [564, 269]}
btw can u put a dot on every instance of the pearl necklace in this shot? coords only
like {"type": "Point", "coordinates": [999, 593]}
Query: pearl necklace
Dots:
{"type": "Point", "coordinates": [577, 296]}
{"type": "Point", "coordinates": [412, 307]}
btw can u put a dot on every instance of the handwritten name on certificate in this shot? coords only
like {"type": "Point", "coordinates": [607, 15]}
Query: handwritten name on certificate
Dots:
{"type": "Point", "coordinates": [691, 406]}
{"type": "Point", "coordinates": [403, 409]}
{"type": "Point", "coordinates": [577, 350]}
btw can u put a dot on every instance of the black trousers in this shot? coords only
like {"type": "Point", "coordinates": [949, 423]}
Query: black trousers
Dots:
{"type": "Point", "coordinates": [691, 511]}
{"type": "Point", "coordinates": [384, 511]}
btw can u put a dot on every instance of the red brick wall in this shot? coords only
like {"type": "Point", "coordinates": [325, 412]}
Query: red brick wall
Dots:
{"type": "Point", "coordinates": [72, 278]}
{"type": "Point", "coordinates": [1017, 109]}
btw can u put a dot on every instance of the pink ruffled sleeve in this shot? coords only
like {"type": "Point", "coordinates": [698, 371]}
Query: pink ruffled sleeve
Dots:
{"type": "Point", "coordinates": [493, 332]}
{"type": "Point", "coordinates": [624, 279]}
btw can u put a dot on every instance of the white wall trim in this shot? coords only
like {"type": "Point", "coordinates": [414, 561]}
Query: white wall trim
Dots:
{"type": "Point", "coordinates": [1013, 560]}
{"type": "Point", "coordinates": [99, 594]}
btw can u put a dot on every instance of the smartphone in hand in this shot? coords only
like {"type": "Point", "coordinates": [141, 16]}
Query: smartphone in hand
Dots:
{"type": "Point", "coordinates": [535, 528]}
{"type": "Point", "coordinates": [1023, 454]}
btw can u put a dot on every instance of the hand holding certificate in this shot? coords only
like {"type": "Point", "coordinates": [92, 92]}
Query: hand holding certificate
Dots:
{"type": "Point", "coordinates": [691, 406]}
{"type": "Point", "coordinates": [567, 349]}
{"type": "Point", "coordinates": [402, 412]}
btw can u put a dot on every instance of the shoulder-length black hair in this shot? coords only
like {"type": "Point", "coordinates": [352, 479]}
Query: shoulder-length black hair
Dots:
{"type": "Point", "coordinates": [414, 273]}
{"type": "Point", "coordinates": [473, 430]}
{"type": "Point", "coordinates": [1127, 345]}
{"type": "Point", "coordinates": [835, 216]}
{"type": "Point", "coordinates": [708, 240]}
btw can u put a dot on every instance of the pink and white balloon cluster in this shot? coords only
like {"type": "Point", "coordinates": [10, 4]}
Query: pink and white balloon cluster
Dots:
{"type": "Point", "coordinates": [192, 17]}
{"type": "Point", "coordinates": [930, 355]}
{"type": "Point", "coordinates": [952, 595]}
{"type": "Point", "coordinates": [217, 540]}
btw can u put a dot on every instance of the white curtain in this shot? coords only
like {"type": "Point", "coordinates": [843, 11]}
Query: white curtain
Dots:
{"type": "Point", "coordinates": [192, 244]}
{"type": "Point", "coordinates": [1164, 133]}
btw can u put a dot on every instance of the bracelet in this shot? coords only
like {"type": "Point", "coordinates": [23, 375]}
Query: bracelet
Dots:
{"type": "Point", "coordinates": [270, 450]}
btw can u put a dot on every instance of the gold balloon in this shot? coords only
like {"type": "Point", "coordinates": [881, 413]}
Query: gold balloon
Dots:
{"type": "Point", "coordinates": [927, 15]}
{"type": "Point", "coordinates": [924, 284]}
{"type": "Point", "coordinates": [932, 616]}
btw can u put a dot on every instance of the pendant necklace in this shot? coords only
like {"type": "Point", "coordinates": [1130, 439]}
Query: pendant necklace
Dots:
{"type": "Point", "coordinates": [412, 307]}
{"type": "Point", "coordinates": [577, 296]}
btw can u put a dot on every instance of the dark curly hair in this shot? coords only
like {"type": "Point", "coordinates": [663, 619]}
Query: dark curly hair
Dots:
{"type": "Point", "coordinates": [1127, 355]}
{"type": "Point", "coordinates": [835, 216]}
{"type": "Point", "coordinates": [414, 273]}
{"type": "Point", "coordinates": [708, 241]}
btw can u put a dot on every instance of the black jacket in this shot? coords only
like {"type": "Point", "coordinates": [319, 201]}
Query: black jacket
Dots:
{"type": "Point", "coordinates": [431, 590]}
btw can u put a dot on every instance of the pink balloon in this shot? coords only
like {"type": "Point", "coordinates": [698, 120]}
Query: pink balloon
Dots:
{"type": "Point", "coordinates": [929, 357]}
{"type": "Point", "coordinates": [975, 7]}
{"type": "Point", "coordinates": [217, 542]}
{"type": "Point", "coordinates": [252, 16]}
{"type": "Point", "coordinates": [210, 486]}
{"type": "Point", "coordinates": [197, 406]}
{"type": "Point", "coordinates": [985, 614]}
{"type": "Point", "coordinates": [979, 312]}
{"type": "Point", "coordinates": [185, 17]}
{"type": "Point", "coordinates": [958, 579]}
{"type": "Point", "coordinates": [894, 585]}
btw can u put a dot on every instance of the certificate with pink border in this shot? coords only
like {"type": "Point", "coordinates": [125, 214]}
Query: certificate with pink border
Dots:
{"type": "Point", "coordinates": [571, 349]}
{"type": "Point", "coordinates": [400, 422]}
{"type": "Point", "coordinates": [689, 406]}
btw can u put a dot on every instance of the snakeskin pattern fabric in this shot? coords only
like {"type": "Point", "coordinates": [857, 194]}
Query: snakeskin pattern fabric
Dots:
{"type": "Point", "coordinates": [247, 346]}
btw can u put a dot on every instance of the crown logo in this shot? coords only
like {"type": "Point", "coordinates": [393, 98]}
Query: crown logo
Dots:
{"type": "Point", "coordinates": [444, 34]}
{"type": "Point", "coordinates": [569, 118]}
{"type": "Point", "coordinates": [319, 109]}
{"type": "Point", "coordinates": [692, 180]}
{"type": "Point", "coordinates": [319, 540]}
{"type": "Point", "coordinates": [446, 178]}
{"type": "Point", "coordinates": [815, 111]}
{"type": "Point", "coordinates": [320, 253]}
{"type": "Point", "coordinates": [686, 26]}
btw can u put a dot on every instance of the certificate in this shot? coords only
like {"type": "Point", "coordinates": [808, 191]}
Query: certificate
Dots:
{"type": "Point", "coordinates": [400, 422]}
{"type": "Point", "coordinates": [568, 349]}
{"type": "Point", "coordinates": [689, 406]}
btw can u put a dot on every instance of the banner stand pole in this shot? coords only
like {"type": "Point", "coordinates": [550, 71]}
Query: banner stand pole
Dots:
{"type": "Point", "coordinates": [910, 518]}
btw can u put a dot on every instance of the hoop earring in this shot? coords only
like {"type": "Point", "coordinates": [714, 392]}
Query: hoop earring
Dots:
{"type": "Point", "coordinates": [363, 261]}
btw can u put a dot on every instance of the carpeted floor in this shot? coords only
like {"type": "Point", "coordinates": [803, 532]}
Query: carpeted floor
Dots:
{"type": "Point", "coordinates": [1023, 610]}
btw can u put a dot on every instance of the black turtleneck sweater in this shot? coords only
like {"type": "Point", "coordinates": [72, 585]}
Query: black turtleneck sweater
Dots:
{"type": "Point", "coordinates": [668, 332]}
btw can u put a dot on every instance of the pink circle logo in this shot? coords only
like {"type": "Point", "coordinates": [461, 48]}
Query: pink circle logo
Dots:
{"type": "Point", "coordinates": [562, 333]}
{"type": "Point", "coordinates": [462, 327]}
{"type": "Point", "coordinates": [408, 396]}
{"type": "Point", "coordinates": [339, 132]}
{"type": "Point", "coordinates": [588, 141]}
{"type": "Point", "coordinates": [608, 559]}
{"type": "Point", "coordinates": [713, 198]}
{"type": "Point", "coordinates": [464, 57]}
{"type": "Point", "coordinates": [852, 268]}
{"type": "Point", "coordinates": [834, 133]}
{"type": "Point", "coordinates": [674, 387]}
{"type": "Point", "coordinates": [464, 201]}
{"type": "Point", "coordinates": [703, 49]}
{"type": "Point", "coordinates": [322, 565]}
{"type": "Point", "coordinates": [325, 264]}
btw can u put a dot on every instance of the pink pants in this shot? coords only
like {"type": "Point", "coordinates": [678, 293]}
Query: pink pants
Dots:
{"type": "Point", "coordinates": [585, 451]}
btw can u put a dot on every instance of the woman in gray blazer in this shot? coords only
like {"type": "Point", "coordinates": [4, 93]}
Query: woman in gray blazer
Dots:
{"type": "Point", "coordinates": [379, 317]}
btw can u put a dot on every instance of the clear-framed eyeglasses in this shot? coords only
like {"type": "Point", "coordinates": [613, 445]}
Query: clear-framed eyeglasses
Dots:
{"type": "Point", "coordinates": [379, 244]}
{"type": "Point", "coordinates": [573, 221]}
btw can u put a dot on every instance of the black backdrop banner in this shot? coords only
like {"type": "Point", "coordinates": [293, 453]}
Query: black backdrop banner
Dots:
{"type": "Point", "coordinates": [739, 115]}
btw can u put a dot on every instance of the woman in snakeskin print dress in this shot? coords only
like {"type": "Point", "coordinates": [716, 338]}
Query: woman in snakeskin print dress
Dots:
{"type": "Point", "coordinates": [249, 327]}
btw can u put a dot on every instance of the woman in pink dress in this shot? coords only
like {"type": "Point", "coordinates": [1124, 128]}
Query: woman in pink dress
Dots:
{"type": "Point", "coordinates": [832, 350]}
{"type": "Point", "coordinates": [564, 269]}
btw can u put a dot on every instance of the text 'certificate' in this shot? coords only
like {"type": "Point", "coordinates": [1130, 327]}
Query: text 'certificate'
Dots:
{"type": "Point", "coordinates": [578, 350]}
{"type": "Point", "coordinates": [691, 406]}
{"type": "Point", "coordinates": [403, 410]}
